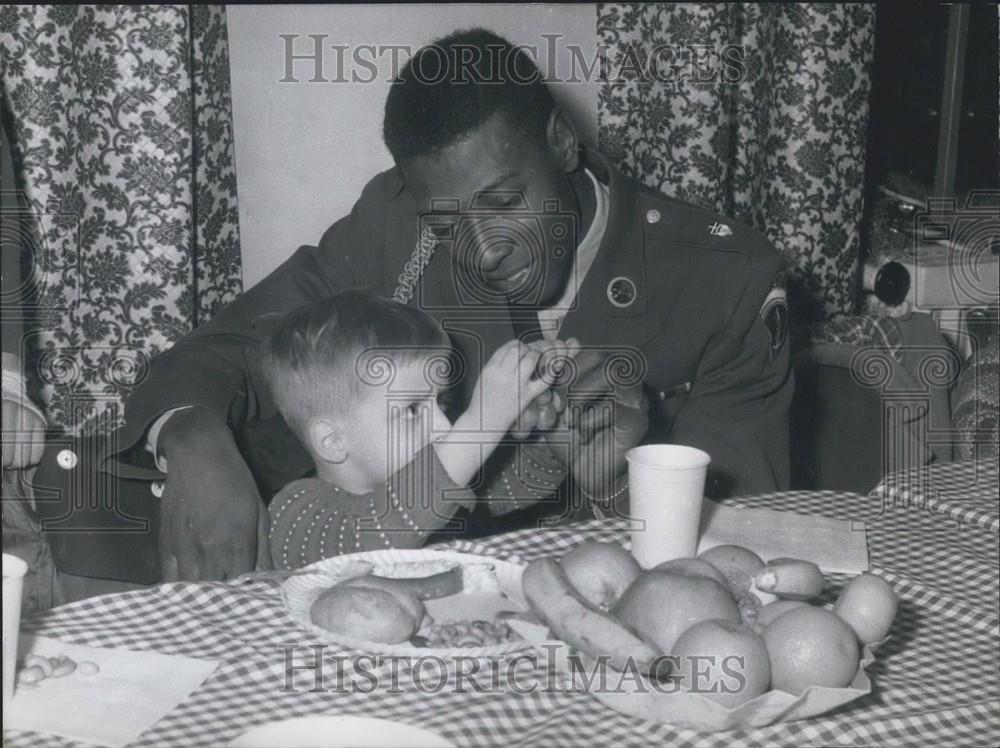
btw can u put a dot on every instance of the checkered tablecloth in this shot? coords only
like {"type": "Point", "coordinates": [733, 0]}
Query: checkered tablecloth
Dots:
{"type": "Point", "coordinates": [936, 681]}
{"type": "Point", "coordinates": [963, 491]}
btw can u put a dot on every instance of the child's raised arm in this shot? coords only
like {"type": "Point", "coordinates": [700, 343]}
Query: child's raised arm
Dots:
{"type": "Point", "coordinates": [511, 379]}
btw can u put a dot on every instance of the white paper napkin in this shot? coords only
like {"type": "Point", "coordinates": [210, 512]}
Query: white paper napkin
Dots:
{"type": "Point", "coordinates": [833, 545]}
{"type": "Point", "coordinates": [131, 692]}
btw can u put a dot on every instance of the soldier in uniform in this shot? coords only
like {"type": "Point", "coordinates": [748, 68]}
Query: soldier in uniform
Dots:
{"type": "Point", "coordinates": [497, 221]}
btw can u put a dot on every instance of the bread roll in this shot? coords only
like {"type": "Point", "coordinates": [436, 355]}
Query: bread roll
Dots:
{"type": "Point", "coordinates": [364, 613]}
{"type": "Point", "coordinates": [404, 597]}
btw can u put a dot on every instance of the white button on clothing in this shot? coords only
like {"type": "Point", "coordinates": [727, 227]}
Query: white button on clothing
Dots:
{"type": "Point", "coordinates": [67, 459]}
{"type": "Point", "coordinates": [156, 488]}
{"type": "Point", "coordinates": [653, 216]}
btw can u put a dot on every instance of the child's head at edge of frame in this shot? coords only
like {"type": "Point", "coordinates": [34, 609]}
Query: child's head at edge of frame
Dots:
{"type": "Point", "coordinates": [357, 378]}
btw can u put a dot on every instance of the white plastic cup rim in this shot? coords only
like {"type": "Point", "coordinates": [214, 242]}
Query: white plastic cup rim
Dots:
{"type": "Point", "coordinates": [13, 567]}
{"type": "Point", "coordinates": [668, 457]}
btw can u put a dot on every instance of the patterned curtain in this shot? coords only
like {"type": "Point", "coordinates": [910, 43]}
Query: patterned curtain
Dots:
{"type": "Point", "coordinates": [120, 121]}
{"type": "Point", "coordinates": [779, 144]}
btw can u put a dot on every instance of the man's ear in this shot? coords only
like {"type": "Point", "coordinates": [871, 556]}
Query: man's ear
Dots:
{"type": "Point", "coordinates": [562, 140]}
{"type": "Point", "coordinates": [327, 440]}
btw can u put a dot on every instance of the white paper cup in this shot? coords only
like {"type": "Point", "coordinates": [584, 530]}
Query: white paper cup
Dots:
{"type": "Point", "coordinates": [666, 488]}
{"type": "Point", "coordinates": [14, 570]}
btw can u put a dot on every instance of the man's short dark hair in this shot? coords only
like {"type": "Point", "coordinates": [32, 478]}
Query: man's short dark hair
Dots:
{"type": "Point", "coordinates": [455, 84]}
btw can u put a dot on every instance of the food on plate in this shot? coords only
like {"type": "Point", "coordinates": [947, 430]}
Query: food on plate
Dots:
{"type": "Point", "coordinates": [868, 604]}
{"type": "Point", "coordinates": [739, 565]}
{"type": "Point", "coordinates": [705, 627]}
{"type": "Point", "coordinates": [661, 605]}
{"type": "Point", "coordinates": [693, 566]}
{"type": "Point", "coordinates": [408, 583]}
{"type": "Point", "coordinates": [433, 579]}
{"type": "Point", "coordinates": [723, 646]}
{"type": "Point", "coordinates": [65, 666]}
{"type": "Point", "coordinates": [465, 634]}
{"type": "Point", "coordinates": [367, 612]}
{"type": "Point", "coordinates": [749, 605]}
{"type": "Point", "coordinates": [38, 667]}
{"type": "Point", "coordinates": [425, 579]}
{"type": "Point", "coordinates": [403, 595]}
{"type": "Point", "coordinates": [384, 602]}
{"type": "Point", "coordinates": [600, 572]}
{"type": "Point", "coordinates": [30, 676]}
{"type": "Point", "coordinates": [42, 663]}
{"type": "Point", "coordinates": [811, 646]}
{"type": "Point", "coordinates": [480, 578]}
{"type": "Point", "coordinates": [409, 569]}
{"type": "Point", "coordinates": [526, 616]}
{"type": "Point", "coordinates": [723, 661]}
{"type": "Point", "coordinates": [791, 578]}
{"type": "Point", "coordinates": [772, 610]}
{"type": "Point", "coordinates": [575, 621]}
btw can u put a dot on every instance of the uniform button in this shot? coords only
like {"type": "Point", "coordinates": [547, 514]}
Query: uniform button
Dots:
{"type": "Point", "coordinates": [156, 488]}
{"type": "Point", "coordinates": [652, 216]}
{"type": "Point", "coordinates": [67, 459]}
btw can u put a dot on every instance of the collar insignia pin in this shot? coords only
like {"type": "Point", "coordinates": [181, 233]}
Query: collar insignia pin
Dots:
{"type": "Point", "coordinates": [720, 229]}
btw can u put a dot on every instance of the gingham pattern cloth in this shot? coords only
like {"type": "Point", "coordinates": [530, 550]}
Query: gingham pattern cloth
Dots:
{"type": "Point", "coordinates": [936, 682]}
{"type": "Point", "coordinates": [965, 491]}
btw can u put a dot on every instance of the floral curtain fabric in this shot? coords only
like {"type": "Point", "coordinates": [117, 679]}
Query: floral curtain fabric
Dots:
{"type": "Point", "coordinates": [759, 111]}
{"type": "Point", "coordinates": [120, 122]}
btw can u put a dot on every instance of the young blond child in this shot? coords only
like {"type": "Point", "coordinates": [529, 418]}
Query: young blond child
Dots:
{"type": "Point", "coordinates": [355, 377]}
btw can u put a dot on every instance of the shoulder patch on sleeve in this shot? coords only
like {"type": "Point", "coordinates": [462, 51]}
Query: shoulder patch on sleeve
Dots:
{"type": "Point", "coordinates": [774, 313]}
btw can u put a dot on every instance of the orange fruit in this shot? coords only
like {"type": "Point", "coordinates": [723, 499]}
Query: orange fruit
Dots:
{"type": "Point", "coordinates": [772, 610]}
{"type": "Point", "coordinates": [810, 646]}
{"type": "Point", "coordinates": [695, 567]}
{"type": "Point", "coordinates": [739, 565]}
{"type": "Point", "coordinates": [662, 605]}
{"type": "Point", "coordinates": [600, 572]}
{"type": "Point", "coordinates": [868, 604]}
{"type": "Point", "coordinates": [722, 661]}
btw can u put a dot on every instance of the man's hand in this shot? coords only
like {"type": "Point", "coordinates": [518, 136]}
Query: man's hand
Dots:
{"type": "Point", "coordinates": [606, 430]}
{"type": "Point", "coordinates": [602, 422]}
{"type": "Point", "coordinates": [505, 387]}
{"type": "Point", "coordinates": [213, 524]}
{"type": "Point", "coordinates": [543, 413]}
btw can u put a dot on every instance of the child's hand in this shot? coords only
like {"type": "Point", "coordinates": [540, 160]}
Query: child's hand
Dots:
{"type": "Point", "coordinates": [558, 367]}
{"type": "Point", "coordinates": [516, 375]}
{"type": "Point", "coordinates": [555, 364]}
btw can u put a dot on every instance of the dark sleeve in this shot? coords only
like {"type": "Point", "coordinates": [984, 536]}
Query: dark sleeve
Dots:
{"type": "Point", "coordinates": [739, 404]}
{"type": "Point", "coordinates": [211, 366]}
{"type": "Point", "coordinates": [311, 521]}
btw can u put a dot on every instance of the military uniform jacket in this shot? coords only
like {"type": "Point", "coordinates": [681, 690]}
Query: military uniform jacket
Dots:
{"type": "Point", "coordinates": [683, 297]}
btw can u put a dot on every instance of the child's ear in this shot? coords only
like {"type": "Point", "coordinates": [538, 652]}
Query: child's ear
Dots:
{"type": "Point", "coordinates": [328, 440]}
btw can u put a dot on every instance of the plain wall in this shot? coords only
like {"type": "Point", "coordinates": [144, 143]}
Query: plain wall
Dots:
{"type": "Point", "coordinates": [304, 150]}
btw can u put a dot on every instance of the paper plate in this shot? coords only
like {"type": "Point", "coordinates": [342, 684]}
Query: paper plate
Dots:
{"type": "Point", "coordinates": [339, 731]}
{"type": "Point", "coordinates": [300, 592]}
